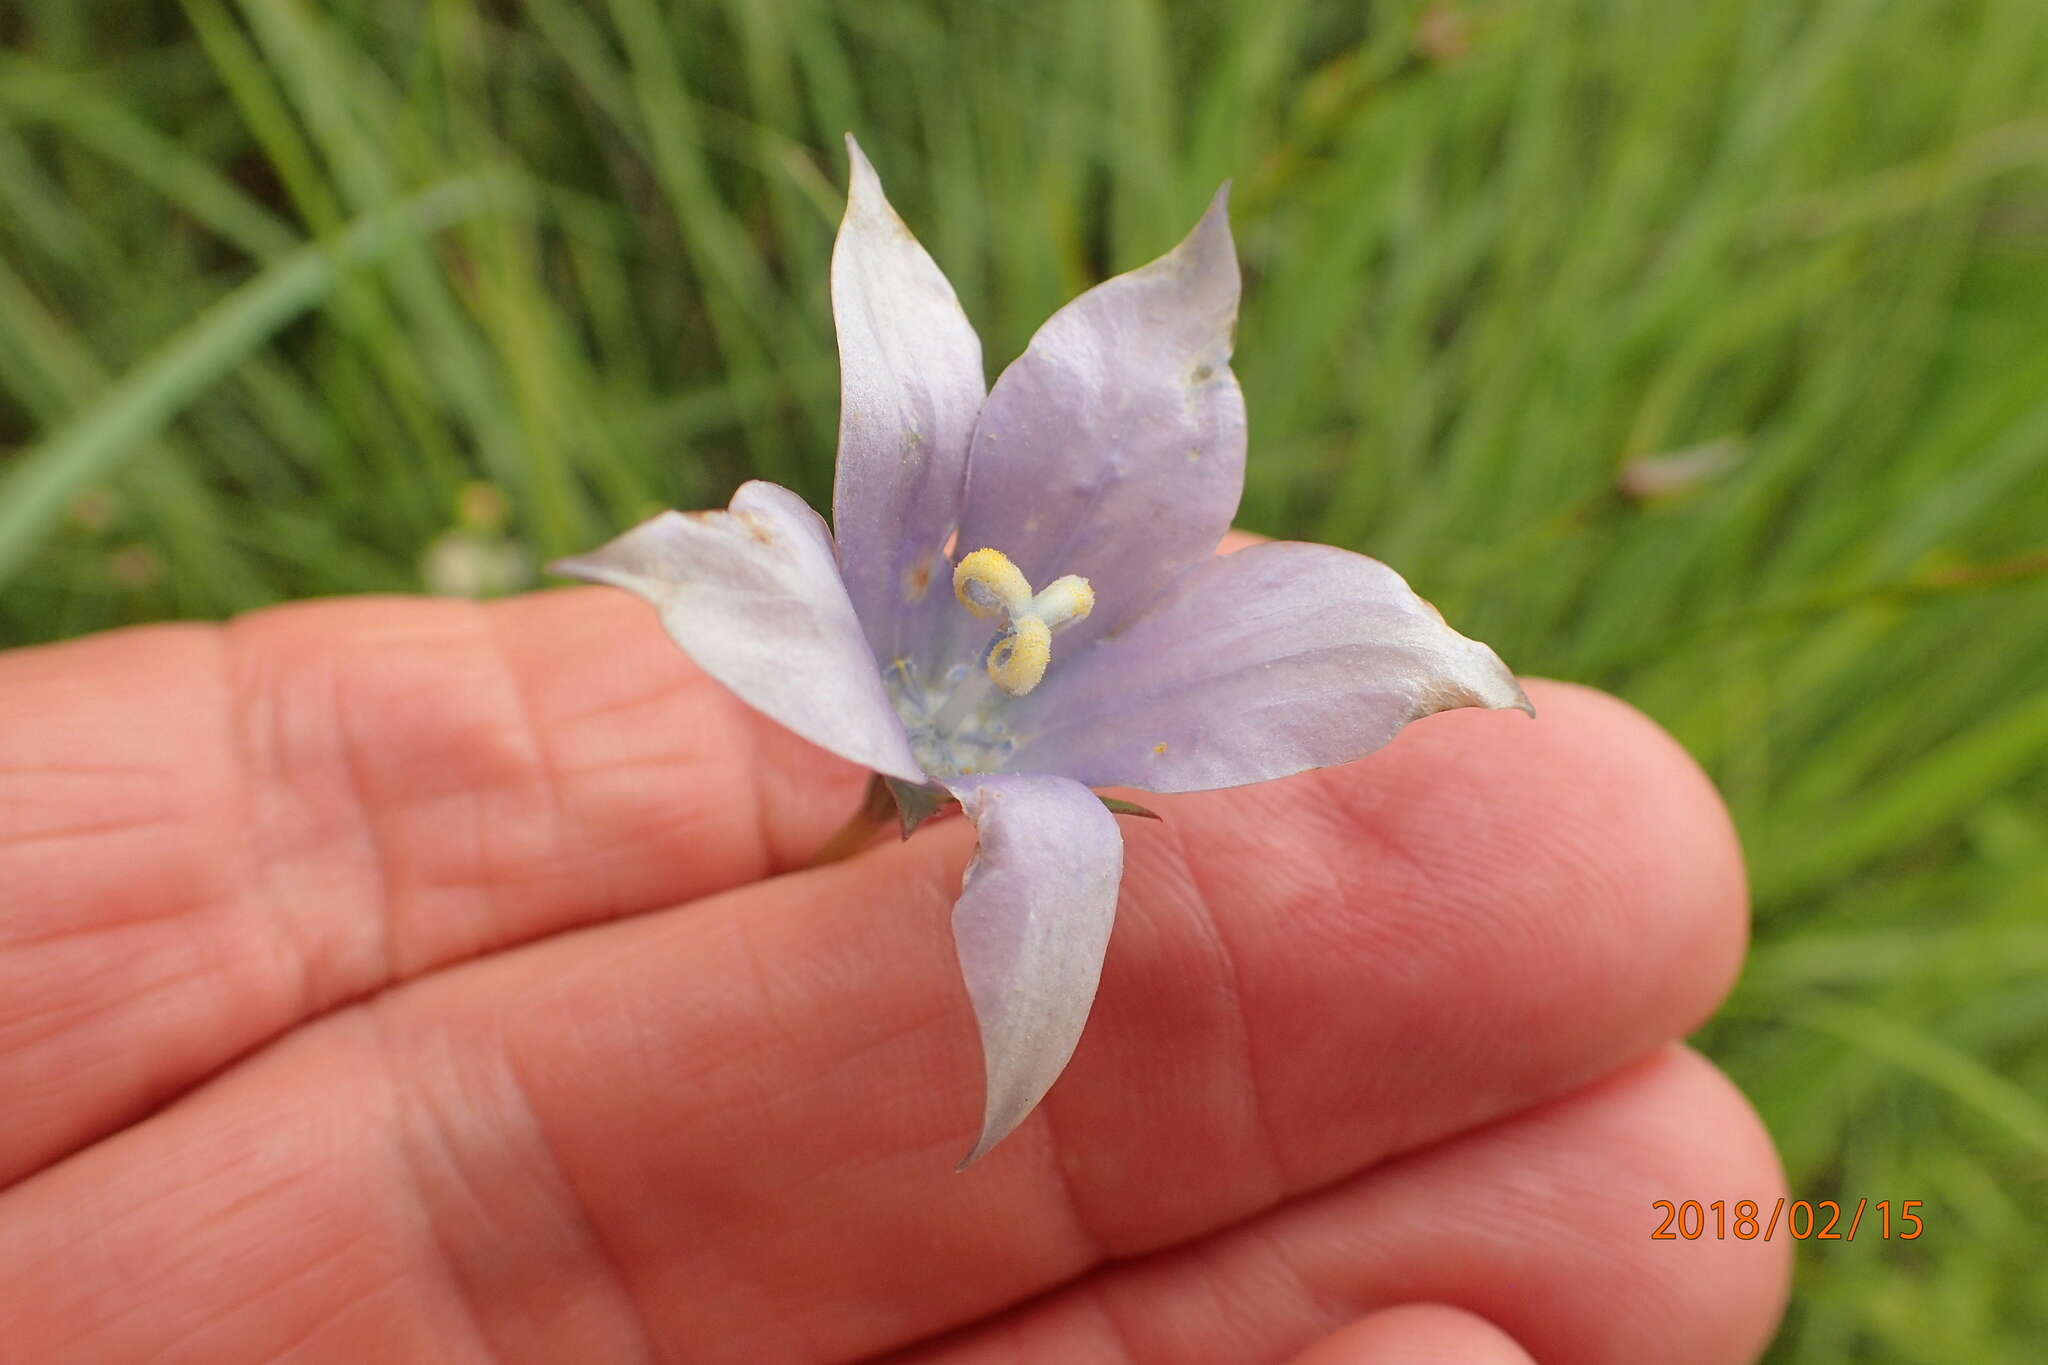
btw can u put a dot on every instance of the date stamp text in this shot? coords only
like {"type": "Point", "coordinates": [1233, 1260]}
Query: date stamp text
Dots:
{"type": "Point", "coordinates": [1819, 1220]}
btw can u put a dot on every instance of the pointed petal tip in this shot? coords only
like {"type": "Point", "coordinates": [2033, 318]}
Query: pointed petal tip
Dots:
{"type": "Point", "coordinates": [864, 192]}
{"type": "Point", "coordinates": [1215, 220]}
{"type": "Point", "coordinates": [1491, 685]}
{"type": "Point", "coordinates": [980, 1151]}
{"type": "Point", "coordinates": [857, 161]}
{"type": "Point", "coordinates": [1031, 927]}
{"type": "Point", "coordinates": [994, 1128]}
{"type": "Point", "coordinates": [589, 566]}
{"type": "Point", "coordinates": [1209, 251]}
{"type": "Point", "coordinates": [1500, 689]}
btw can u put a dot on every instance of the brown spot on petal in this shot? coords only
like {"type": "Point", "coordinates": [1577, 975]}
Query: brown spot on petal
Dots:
{"type": "Point", "coordinates": [756, 526]}
{"type": "Point", "coordinates": [917, 580]}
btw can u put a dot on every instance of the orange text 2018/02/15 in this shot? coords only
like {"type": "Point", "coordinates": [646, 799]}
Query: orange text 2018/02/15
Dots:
{"type": "Point", "coordinates": [1817, 1220]}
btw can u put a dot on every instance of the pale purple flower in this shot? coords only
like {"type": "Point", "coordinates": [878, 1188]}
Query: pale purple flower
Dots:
{"type": "Point", "coordinates": [1084, 638]}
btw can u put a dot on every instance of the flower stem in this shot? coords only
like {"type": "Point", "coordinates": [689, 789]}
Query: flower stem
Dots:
{"type": "Point", "coordinates": [877, 809]}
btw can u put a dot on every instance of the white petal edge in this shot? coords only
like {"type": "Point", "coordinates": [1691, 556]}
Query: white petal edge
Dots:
{"type": "Point", "coordinates": [753, 595]}
{"type": "Point", "coordinates": [1031, 926]}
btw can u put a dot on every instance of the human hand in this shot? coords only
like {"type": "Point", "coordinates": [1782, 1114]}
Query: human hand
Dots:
{"type": "Point", "coordinates": [390, 980]}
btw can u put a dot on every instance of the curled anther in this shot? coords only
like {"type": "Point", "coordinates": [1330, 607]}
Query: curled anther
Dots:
{"type": "Point", "coordinates": [990, 586]}
{"type": "Point", "coordinates": [1017, 661]}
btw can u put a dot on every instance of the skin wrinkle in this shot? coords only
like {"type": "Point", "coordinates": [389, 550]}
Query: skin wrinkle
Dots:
{"type": "Point", "coordinates": [1094, 1248]}
{"type": "Point", "coordinates": [225, 1213]}
{"type": "Point", "coordinates": [319, 1324]}
{"type": "Point", "coordinates": [1272, 1267]}
{"type": "Point", "coordinates": [1356, 813]}
{"type": "Point", "coordinates": [1235, 1299]}
{"type": "Point", "coordinates": [760, 982]}
{"type": "Point", "coordinates": [1203, 913]}
{"type": "Point", "coordinates": [945, 1014]}
{"type": "Point", "coordinates": [1402, 941]}
{"type": "Point", "coordinates": [227, 1312]}
{"type": "Point", "coordinates": [533, 739]}
{"type": "Point", "coordinates": [505, 739]}
{"type": "Point", "coordinates": [571, 1211]}
{"type": "Point", "coordinates": [65, 928]}
{"type": "Point", "coordinates": [246, 716]}
{"type": "Point", "coordinates": [735, 722]}
{"type": "Point", "coordinates": [123, 825]}
{"type": "Point", "coordinates": [384, 939]}
{"type": "Point", "coordinates": [1120, 1338]}
{"type": "Point", "coordinates": [1316, 882]}
{"type": "Point", "coordinates": [69, 1013]}
{"type": "Point", "coordinates": [399, 1135]}
{"type": "Point", "coordinates": [941, 1015]}
{"type": "Point", "coordinates": [761, 825]}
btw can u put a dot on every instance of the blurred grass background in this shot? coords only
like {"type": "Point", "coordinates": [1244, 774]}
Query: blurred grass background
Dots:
{"type": "Point", "coordinates": [1694, 348]}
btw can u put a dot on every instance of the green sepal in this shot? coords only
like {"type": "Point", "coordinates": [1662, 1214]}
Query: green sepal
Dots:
{"type": "Point", "coordinates": [1118, 806]}
{"type": "Point", "coordinates": [915, 802]}
{"type": "Point", "coordinates": [918, 802]}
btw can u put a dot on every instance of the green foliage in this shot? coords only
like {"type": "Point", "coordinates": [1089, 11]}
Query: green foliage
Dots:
{"type": "Point", "coordinates": [282, 284]}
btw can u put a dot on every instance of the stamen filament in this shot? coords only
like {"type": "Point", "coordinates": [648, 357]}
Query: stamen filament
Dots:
{"type": "Point", "coordinates": [966, 699]}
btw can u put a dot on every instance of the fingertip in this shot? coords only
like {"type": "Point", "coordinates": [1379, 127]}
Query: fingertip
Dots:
{"type": "Point", "coordinates": [1645, 811]}
{"type": "Point", "coordinates": [1417, 1334]}
{"type": "Point", "coordinates": [1628, 831]}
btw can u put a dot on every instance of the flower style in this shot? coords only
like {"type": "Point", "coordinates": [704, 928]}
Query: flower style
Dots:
{"type": "Point", "coordinates": [1089, 637]}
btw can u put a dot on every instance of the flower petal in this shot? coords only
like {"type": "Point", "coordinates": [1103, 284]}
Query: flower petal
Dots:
{"type": "Point", "coordinates": [753, 596]}
{"type": "Point", "coordinates": [1280, 657]}
{"type": "Point", "coordinates": [1031, 926]}
{"type": "Point", "coordinates": [910, 385]}
{"type": "Point", "coordinates": [1113, 448]}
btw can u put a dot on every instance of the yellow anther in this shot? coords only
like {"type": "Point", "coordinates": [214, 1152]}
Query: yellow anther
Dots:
{"type": "Point", "coordinates": [1018, 660]}
{"type": "Point", "coordinates": [1064, 601]}
{"type": "Point", "coordinates": [989, 585]}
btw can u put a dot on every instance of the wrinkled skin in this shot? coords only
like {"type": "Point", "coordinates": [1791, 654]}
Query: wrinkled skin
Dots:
{"type": "Point", "coordinates": [303, 1061]}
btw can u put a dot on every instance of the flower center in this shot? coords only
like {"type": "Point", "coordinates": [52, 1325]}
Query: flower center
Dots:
{"type": "Point", "coordinates": [990, 586]}
{"type": "Point", "coordinates": [957, 718]}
